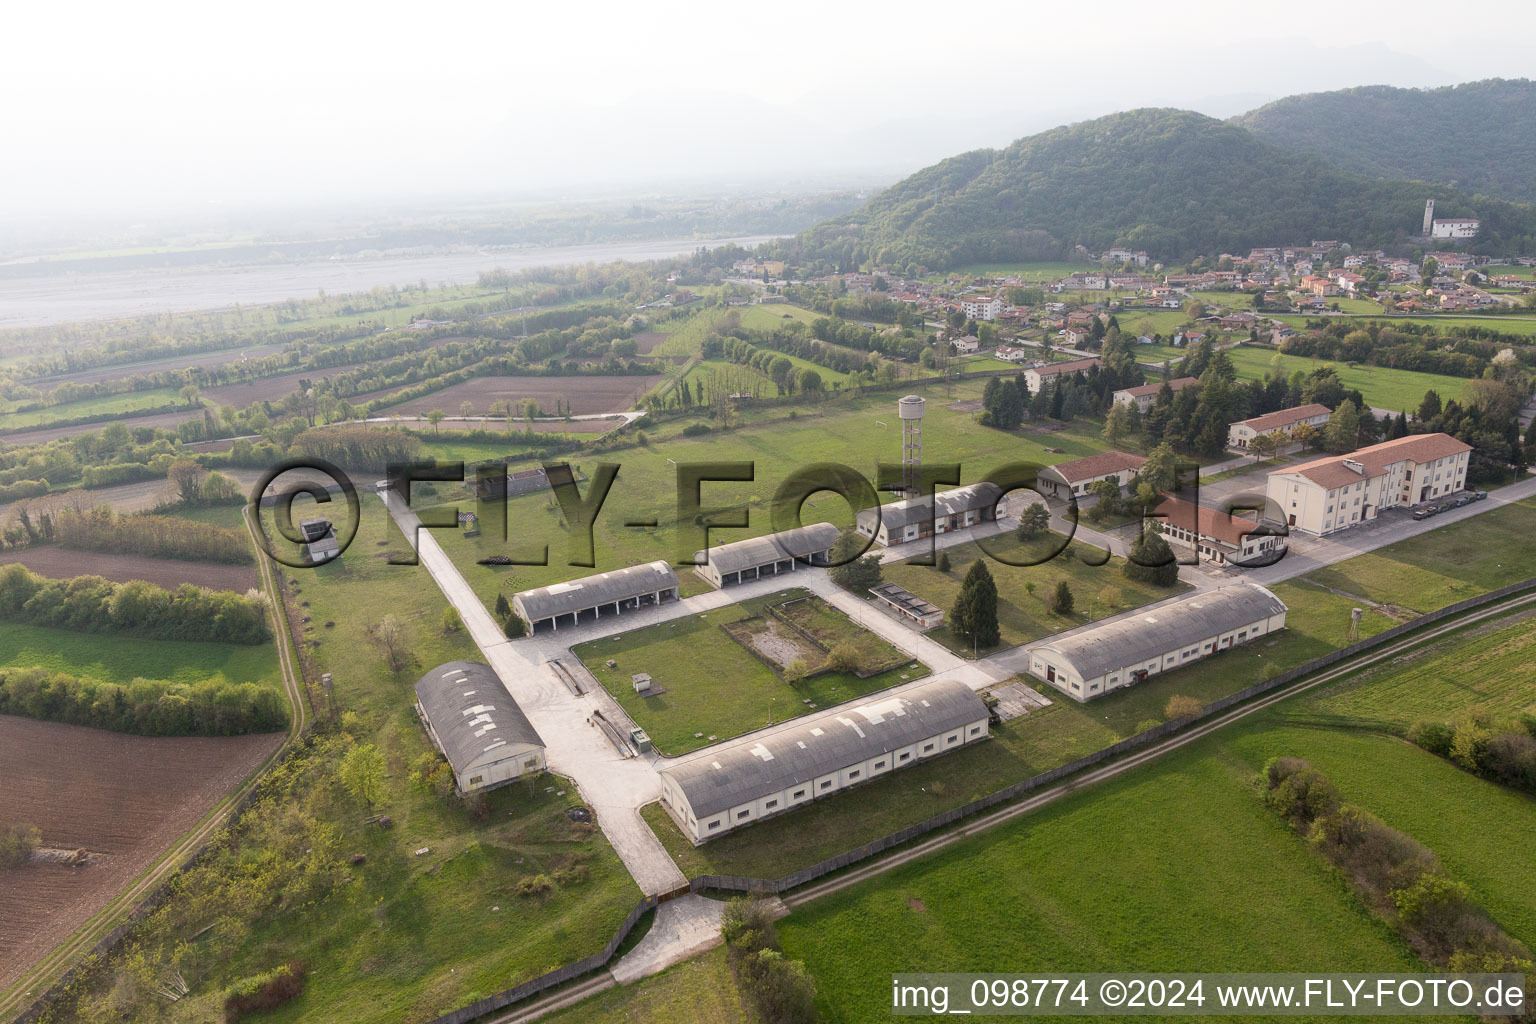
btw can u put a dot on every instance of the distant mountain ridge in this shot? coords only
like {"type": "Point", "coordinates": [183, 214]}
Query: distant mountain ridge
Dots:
{"type": "Point", "coordinates": [1172, 182]}
{"type": "Point", "coordinates": [1479, 137]}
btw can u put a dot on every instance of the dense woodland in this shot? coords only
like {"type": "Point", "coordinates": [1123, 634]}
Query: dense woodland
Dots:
{"type": "Point", "coordinates": [90, 604]}
{"type": "Point", "coordinates": [145, 707]}
{"type": "Point", "coordinates": [1171, 182]}
{"type": "Point", "coordinates": [1479, 137]}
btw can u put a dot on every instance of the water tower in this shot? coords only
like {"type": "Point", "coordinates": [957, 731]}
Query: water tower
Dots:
{"type": "Point", "coordinates": [910, 411]}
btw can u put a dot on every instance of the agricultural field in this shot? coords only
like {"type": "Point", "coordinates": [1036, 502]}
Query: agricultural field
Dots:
{"type": "Point", "coordinates": [156, 790]}
{"type": "Point", "coordinates": [271, 389]}
{"type": "Point", "coordinates": [125, 405]}
{"type": "Point", "coordinates": [1443, 566]}
{"type": "Point", "coordinates": [1022, 591]}
{"type": "Point", "coordinates": [61, 563]}
{"type": "Point", "coordinates": [1383, 388]}
{"type": "Point", "coordinates": [722, 688]}
{"type": "Point", "coordinates": [587, 394]}
{"type": "Point", "coordinates": [121, 659]}
{"type": "Point", "coordinates": [183, 362]}
{"type": "Point", "coordinates": [1508, 324]}
{"type": "Point", "coordinates": [1151, 321]}
{"type": "Point", "coordinates": [775, 314]}
{"type": "Point", "coordinates": [1044, 271]}
{"type": "Point", "coordinates": [162, 420]}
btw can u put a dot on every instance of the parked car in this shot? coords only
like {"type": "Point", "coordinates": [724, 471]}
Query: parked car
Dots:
{"type": "Point", "coordinates": [1446, 507]}
{"type": "Point", "coordinates": [1424, 513]}
{"type": "Point", "coordinates": [1463, 499]}
{"type": "Point", "coordinates": [1479, 495]}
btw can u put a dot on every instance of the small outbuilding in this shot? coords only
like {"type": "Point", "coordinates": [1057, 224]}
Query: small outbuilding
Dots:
{"type": "Point", "coordinates": [732, 784]}
{"type": "Point", "coordinates": [923, 614]}
{"type": "Point", "coordinates": [479, 728]}
{"type": "Point", "coordinates": [589, 598]}
{"type": "Point", "coordinates": [1129, 648]}
{"type": "Point", "coordinates": [320, 545]}
{"type": "Point", "coordinates": [745, 560]}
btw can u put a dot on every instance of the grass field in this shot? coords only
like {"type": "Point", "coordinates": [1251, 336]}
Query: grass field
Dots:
{"type": "Point", "coordinates": [125, 404]}
{"type": "Point", "coordinates": [720, 689]}
{"type": "Point", "coordinates": [700, 991]}
{"type": "Point", "coordinates": [1508, 324]}
{"type": "Point", "coordinates": [1027, 271]}
{"type": "Point", "coordinates": [1151, 321]}
{"type": "Point", "coordinates": [1444, 566]}
{"type": "Point", "coordinates": [776, 315]}
{"type": "Point", "coordinates": [121, 659]}
{"type": "Point", "coordinates": [1174, 865]}
{"type": "Point", "coordinates": [1021, 615]}
{"type": "Point", "coordinates": [856, 431]}
{"type": "Point", "coordinates": [1383, 388]}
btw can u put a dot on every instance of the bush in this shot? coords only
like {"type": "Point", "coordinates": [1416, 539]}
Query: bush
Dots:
{"type": "Point", "coordinates": [844, 657]}
{"type": "Point", "coordinates": [264, 992]}
{"type": "Point", "coordinates": [1434, 737]}
{"type": "Point", "coordinates": [1510, 759]}
{"type": "Point", "coordinates": [1180, 706]}
{"type": "Point", "coordinates": [144, 707]}
{"type": "Point", "coordinates": [17, 842]}
{"type": "Point", "coordinates": [695, 429]}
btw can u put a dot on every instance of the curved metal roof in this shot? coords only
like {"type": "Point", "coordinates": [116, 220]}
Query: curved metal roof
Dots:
{"type": "Point", "coordinates": [1144, 635]}
{"type": "Point", "coordinates": [590, 591]}
{"type": "Point", "coordinates": [474, 716]}
{"type": "Point", "coordinates": [733, 773]}
{"type": "Point", "coordinates": [776, 547]}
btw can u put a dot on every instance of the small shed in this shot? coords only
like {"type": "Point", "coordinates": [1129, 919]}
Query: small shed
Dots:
{"type": "Point", "coordinates": [641, 681]}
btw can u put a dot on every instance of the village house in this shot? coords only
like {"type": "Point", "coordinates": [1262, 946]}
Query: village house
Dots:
{"type": "Point", "coordinates": [1241, 434]}
{"type": "Point", "coordinates": [1142, 397]}
{"type": "Point", "coordinates": [1037, 375]}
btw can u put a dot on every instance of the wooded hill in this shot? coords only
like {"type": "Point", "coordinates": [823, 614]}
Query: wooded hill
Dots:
{"type": "Point", "coordinates": [1172, 182]}
{"type": "Point", "coordinates": [1479, 137]}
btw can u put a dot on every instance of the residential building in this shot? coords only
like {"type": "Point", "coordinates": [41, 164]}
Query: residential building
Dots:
{"type": "Point", "coordinates": [1335, 493]}
{"type": "Point", "coordinates": [1037, 375]}
{"type": "Point", "coordinates": [1144, 395]}
{"type": "Point", "coordinates": [980, 307]}
{"type": "Point", "coordinates": [1241, 434]}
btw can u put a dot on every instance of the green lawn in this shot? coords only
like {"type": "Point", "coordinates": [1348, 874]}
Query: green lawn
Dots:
{"type": "Point", "coordinates": [1173, 867]}
{"type": "Point", "coordinates": [121, 659]}
{"type": "Point", "coordinates": [856, 431]}
{"type": "Point", "coordinates": [1512, 324]}
{"type": "Point", "coordinates": [1318, 622]}
{"type": "Point", "coordinates": [1037, 272]}
{"type": "Point", "coordinates": [1383, 388]}
{"type": "Point", "coordinates": [127, 404]}
{"type": "Point", "coordinates": [1021, 615]}
{"type": "Point", "coordinates": [1444, 566]}
{"type": "Point", "coordinates": [1153, 321]}
{"type": "Point", "coordinates": [720, 689]}
{"type": "Point", "coordinates": [700, 990]}
{"type": "Point", "coordinates": [776, 315]}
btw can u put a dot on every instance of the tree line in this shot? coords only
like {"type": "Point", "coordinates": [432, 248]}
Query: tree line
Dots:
{"type": "Point", "coordinates": [102, 529]}
{"type": "Point", "coordinates": [143, 707]}
{"type": "Point", "coordinates": [90, 604]}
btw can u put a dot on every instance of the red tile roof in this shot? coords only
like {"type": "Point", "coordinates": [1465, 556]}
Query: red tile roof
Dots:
{"type": "Point", "coordinates": [1177, 384]}
{"type": "Point", "coordinates": [1097, 465]}
{"type": "Point", "coordinates": [1375, 460]}
{"type": "Point", "coordinates": [1283, 418]}
{"type": "Point", "coordinates": [1207, 522]}
{"type": "Point", "coordinates": [1068, 367]}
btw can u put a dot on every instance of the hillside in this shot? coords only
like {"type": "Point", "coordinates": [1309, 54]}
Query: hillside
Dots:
{"type": "Point", "coordinates": [1480, 137]}
{"type": "Point", "coordinates": [1172, 182]}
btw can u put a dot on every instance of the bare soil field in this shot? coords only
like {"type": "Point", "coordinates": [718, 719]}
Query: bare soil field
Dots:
{"type": "Point", "coordinates": [270, 389]}
{"type": "Point", "coordinates": [206, 359]}
{"type": "Point", "coordinates": [164, 420]}
{"type": "Point", "coordinates": [127, 798]}
{"type": "Point", "coordinates": [447, 427]}
{"type": "Point", "coordinates": [170, 573]}
{"type": "Point", "coordinates": [586, 394]}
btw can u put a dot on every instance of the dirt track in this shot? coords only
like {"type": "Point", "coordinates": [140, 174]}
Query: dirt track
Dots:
{"type": "Point", "coordinates": [62, 563]}
{"type": "Point", "coordinates": [156, 790]}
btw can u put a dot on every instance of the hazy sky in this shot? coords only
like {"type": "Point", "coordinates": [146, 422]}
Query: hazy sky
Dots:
{"type": "Point", "coordinates": [118, 107]}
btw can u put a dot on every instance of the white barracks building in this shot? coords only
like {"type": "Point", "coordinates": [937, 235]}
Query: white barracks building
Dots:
{"type": "Point", "coordinates": [1332, 494]}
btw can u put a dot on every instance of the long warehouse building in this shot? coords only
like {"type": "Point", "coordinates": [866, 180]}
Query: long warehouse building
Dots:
{"type": "Point", "coordinates": [756, 557]}
{"type": "Point", "coordinates": [734, 784]}
{"type": "Point", "coordinates": [901, 522]}
{"type": "Point", "coordinates": [479, 728]}
{"type": "Point", "coordinates": [1128, 649]}
{"type": "Point", "coordinates": [589, 598]}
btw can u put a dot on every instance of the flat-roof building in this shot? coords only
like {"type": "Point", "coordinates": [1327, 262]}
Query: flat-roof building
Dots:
{"type": "Point", "coordinates": [733, 784]}
{"type": "Point", "coordinates": [1129, 648]}
{"type": "Point", "coordinates": [925, 614]}
{"type": "Point", "coordinates": [901, 522]}
{"type": "Point", "coordinates": [479, 728]}
{"type": "Point", "coordinates": [776, 553]}
{"type": "Point", "coordinates": [589, 598]}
